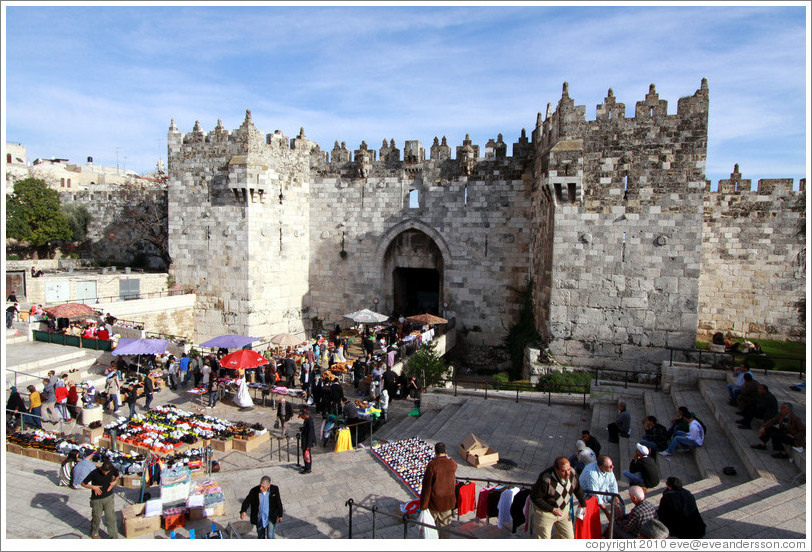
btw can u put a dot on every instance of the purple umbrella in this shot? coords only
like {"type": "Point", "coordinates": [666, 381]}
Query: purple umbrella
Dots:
{"type": "Point", "coordinates": [230, 341]}
{"type": "Point", "coordinates": [131, 346]}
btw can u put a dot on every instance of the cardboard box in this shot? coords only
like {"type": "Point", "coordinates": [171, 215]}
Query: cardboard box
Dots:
{"type": "Point", "coordinates": [104, 442]}
{"type": "Point", "coordinates": [92, 436]}
{"type": "Point", "coordinates": [131, 481]}
{"type": "Point", "coordinates": [222, 446]}
{"type": "Point", "coordinates": [477, 452]}
{"type": "Point", "coordinates": [174, 521]}
{"type": "Point", "coordinates": [248, 445]}
{"type": "Point", "coordinates": [200, 513]}
{"type": "Point", "coordinates": [136, 524]}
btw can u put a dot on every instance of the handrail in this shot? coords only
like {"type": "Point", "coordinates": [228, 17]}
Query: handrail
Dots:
{"type": "Point", "coordinates": [403, 517]}
{"type": "Point", "coordinates": [566, 389]}
{"type": "Point", "coordinates": [231, 531]}
{"type": "Point", "coordinates": [24, 413]}
{"type": "Point", "coordinates": [733, 355]}
{"type": "Point", "coordinates": [626, 373]}
{"type": "Point", "coordinates": [15, 372]}
{"type": "Point", "coordinates": [97, 300]}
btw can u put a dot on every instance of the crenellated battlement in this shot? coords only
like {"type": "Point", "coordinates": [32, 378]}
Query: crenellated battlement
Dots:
{"type": "Point", "coordinates": [775, 187]}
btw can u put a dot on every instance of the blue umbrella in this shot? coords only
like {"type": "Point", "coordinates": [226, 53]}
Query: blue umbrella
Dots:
{"type": "Point", "coordinates": [230, 341]}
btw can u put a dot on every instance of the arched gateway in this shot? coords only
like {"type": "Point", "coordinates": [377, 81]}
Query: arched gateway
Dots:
{"type": "Point", "coordinates": [414, 260]}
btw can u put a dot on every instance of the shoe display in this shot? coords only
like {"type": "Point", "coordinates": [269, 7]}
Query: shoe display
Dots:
{"type": "Point", "coordinates": [760, 446]}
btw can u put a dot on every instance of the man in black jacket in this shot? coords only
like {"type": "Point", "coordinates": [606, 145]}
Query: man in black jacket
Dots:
{"type": "Point", "coordinates": [679, 513]}
{"type": "Point", "coordinates": [266, 508]}
{"type": "Point", "coordinates": [308, 439]}
{"type": "Point", "coordinates": [643, 470]}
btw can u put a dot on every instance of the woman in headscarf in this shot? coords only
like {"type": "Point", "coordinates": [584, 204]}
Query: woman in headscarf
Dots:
{"type": "Point", "coordinates": [14, 406]}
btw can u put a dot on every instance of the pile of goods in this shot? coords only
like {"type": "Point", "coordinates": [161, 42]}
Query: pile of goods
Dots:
{"type": "Point", "coordinates": [408, 459]}
{"type": "Point", "coordinates": [166, 428]}
{"type": "Point", "coordinates": [127, 463]}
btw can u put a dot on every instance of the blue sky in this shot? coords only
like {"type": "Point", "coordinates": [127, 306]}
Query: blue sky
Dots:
{"type": "Point", "coordinates": [84, 80]}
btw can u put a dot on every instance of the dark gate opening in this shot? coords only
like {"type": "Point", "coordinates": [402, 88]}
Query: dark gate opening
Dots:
{"type": "Point", "coordinates": [417, 291]}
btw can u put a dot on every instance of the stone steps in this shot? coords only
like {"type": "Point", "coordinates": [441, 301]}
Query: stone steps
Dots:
{"type": "Point", "coordinates": [715, 452]}
{"type": "Point", "coordinates": [757, 463]}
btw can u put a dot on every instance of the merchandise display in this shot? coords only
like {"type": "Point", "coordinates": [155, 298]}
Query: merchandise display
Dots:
{"type": "Point", "coordinates": [165, 428]}
{"type": "Point", "coordinates": [408, 459]}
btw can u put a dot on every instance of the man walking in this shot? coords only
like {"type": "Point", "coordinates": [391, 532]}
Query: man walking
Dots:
{"type": "Point", "coordinates": [149, 389]}
{"type": "Point", "coordinates": [308, 440]}
{"type": "Point", "coordinates": [183, 366]}
{"type": "Point", "coordinates": [284, 412]}
{"type": "Point", "coordinates": [101, 482]}
{"type": "Point", "coordinates": [266, 508]}
{"type": "Point", "coordinates": [439, 481]}
{"type": "Point", "coordinates": [551, 495]}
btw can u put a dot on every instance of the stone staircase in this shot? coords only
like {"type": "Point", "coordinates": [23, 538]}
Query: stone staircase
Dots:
{"type": "Point", "coordinates": [29, 362]}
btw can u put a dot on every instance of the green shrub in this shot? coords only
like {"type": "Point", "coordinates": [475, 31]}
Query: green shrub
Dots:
{"type": "Point", "coordinates": [556, 380]}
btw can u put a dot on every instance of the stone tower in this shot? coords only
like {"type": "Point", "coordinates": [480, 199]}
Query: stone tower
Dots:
{"type": "Point", "coordinates": [239, 227]}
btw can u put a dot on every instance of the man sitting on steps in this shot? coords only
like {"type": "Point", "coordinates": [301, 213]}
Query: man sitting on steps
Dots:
{"type": "Point", "coordinates": [784, 428]}
{"type": "Point", "coordinates": [765, 407]}
{"type": "Point", "coordinates": [694, 438]}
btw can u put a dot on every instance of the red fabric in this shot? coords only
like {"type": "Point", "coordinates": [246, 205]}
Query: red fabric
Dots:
{"type": "Point", "coordinates": [590, 526]}
{"type": "Point", "coordinates": [103, 334]}
{"type": "Point", "coordinates": [467, 498]}
{"type": "Point", "coordinates": [73, 395]}
{"type": "Point", "coordinates": [61, 393]}
{"type": "Point", "coordinates": [482, 504]}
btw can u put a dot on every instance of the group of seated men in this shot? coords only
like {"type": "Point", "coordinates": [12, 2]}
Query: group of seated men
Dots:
{"type": "Point", "coordinates": [754, 400]}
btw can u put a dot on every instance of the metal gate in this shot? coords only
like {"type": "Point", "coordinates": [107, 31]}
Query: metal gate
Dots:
{"type": "Point", "coordinates": [57, 291]}
{"type": "Point", "coordinates": [86, 292]}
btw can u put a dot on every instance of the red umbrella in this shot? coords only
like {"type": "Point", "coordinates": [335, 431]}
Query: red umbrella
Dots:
{"type": "Point", "coordinates": [70, 310]}
{"type": "Point", "coordinates": [242, 359]}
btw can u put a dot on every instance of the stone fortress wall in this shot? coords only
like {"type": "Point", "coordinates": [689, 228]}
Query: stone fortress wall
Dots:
{"type": "Point", "coordinates": [753, 259]}
{"type": "Point", "coordinates": [612, 218]}
{"type": "Point", "coordinates": [622, 280]}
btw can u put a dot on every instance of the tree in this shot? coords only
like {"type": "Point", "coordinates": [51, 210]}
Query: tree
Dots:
{"type": "Point", "coordinates": [78, 219]}
{"type": "Point", "coordinates": [33, 215]}
{"type": "Point", "coordinates": [426, 365]}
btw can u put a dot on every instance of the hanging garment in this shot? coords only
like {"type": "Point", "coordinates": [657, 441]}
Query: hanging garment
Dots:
{"type": "Point", "coordinates": [590, 526]}
{"type": "Point", "coordinates": [466, 497]}
{"type": "Point", "coordinates": [493, 501]}
{"type": "Point", "coordinates": [343, 440]}
{"type": "Point", "coordinates": [517, 508]}
{"type": "Point", "coordinates": [503, 507]}
{"type": "Point", "coordinates": [243, 398]}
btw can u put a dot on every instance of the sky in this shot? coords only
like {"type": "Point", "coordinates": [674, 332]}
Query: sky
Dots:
{"type": "Point", "coordinates": [105, 80]}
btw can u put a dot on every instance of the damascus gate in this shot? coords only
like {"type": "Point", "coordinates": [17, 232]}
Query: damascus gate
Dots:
{"type": "Point", "coordinates": [612, 220]}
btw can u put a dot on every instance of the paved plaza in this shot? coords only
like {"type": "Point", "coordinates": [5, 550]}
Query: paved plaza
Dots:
{"type": "Point", "coordinates": [530, 433]}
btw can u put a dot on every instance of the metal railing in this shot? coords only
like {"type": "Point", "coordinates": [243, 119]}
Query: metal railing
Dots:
{"type": "Point", "coordinates": [562, 389]}
{"type": "Point", "coordinates": [403, 518]}
{"type": "Point", "coordinates": [126, 296]}
{"type": "Point", "coordinates": [24, 413]}
{"type": "Point", "coordinates": [626, 379]}
{"type": "Point", "coordinates": [15, 372]}
{"type": "Point", "coordinates": [231, 532]}
{"type": "Point", "coordinates": [733, 355]}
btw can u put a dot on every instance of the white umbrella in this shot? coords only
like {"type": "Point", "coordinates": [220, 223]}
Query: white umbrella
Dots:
{"type": "Point", "coordinates": [286, 340]}
{"type": "Point", "coordinates": [366, 316]}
